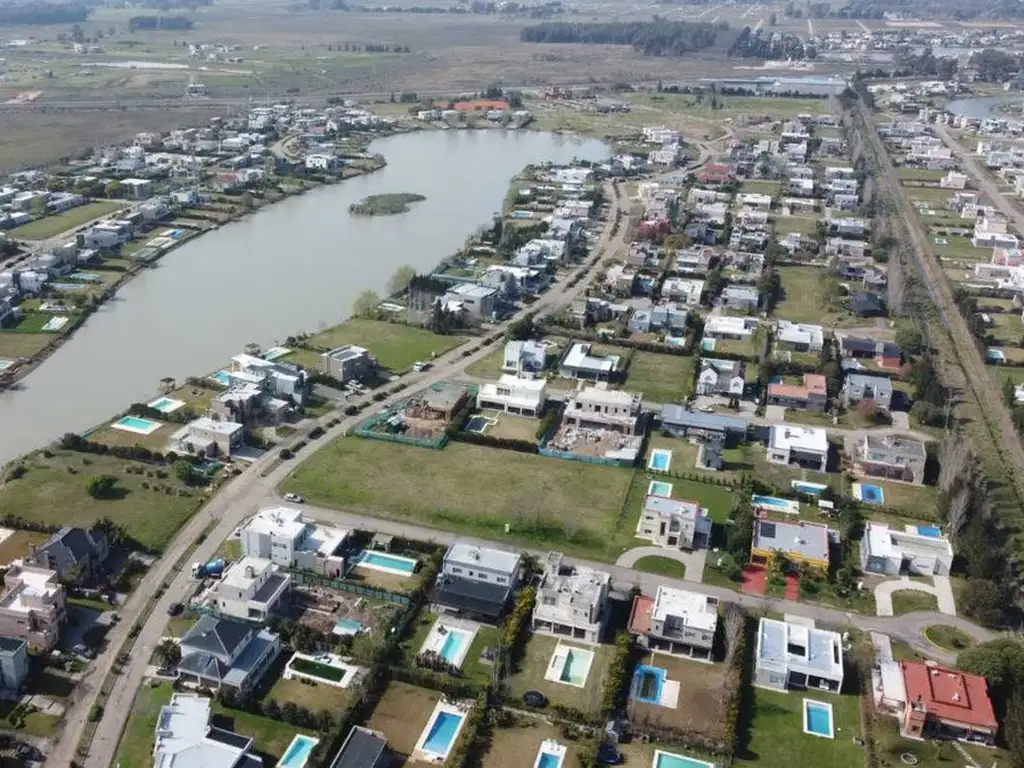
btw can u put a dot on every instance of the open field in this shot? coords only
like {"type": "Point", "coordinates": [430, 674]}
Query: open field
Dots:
{"type": "Point", "coordinates": [661, 378]}
{"type": "Point", "coordinates": [395, 346]}
{"type": "Point", "coordinates": [401, 714]}
{"type": "Point", "coordinates": [53, 491]}
{"type": "Point", "coordinates": [530, 670]}
{"type": "Point", "coordinates": [810, 295]}
{"type": "Point", "coordinates": [51, 226]}
{"type": "Point", "coordinates": [545, 500]}
{"type": "Point", "coordinates": [701, 703]}
{"type": "Point", "coordinates": [920, 174]}
{"type": "Point", "coordinates": [312, 697]}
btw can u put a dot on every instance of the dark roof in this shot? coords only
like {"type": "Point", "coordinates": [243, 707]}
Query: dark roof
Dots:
{"type": "Point", "coordinates": [78, 541]}
{"type": "Point", "coordinates": [362, 749]}
{"type": "Point", "coordinates": [250, 761]}
{"type": "Point", "coordinates": [866, 302]}
{"type": "Point", "coordinates": [469, 595]}
{"type": "Point", "coordinates": [11, 644]}
{"type": "Point", "coordinates": [230, 738]}
{"type": "Point", "coordinates": [857, 344]}
{"type": "Point", "coordinates": [677, 416]}
{"type": "Point", "coordinates": [269, 587]}
{"type": "Point", "coordinates": [216, 636]}
{"type": "Point", "coordinates": [203, 664]}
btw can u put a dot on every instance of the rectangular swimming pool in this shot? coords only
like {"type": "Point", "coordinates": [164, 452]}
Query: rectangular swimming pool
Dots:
{"type": "Point", "coordinates": [298, 752]}
{"type": "Point", "coordinates": [931, 531]}
{"type": "Point", "coordinates": [451, 648]}
{"type": "Point", "coordinates": [658, 488]}
{"type": "Point", "coordinates": [442, 733]}
{"type": "Point", "coordinates": [166, 405]}
{"type": "Point", "coordinates": [381, 561]}
{"type": "Point", "coordinates": [548, 760]}
{"type": "Point", "coordinates": [777, 504]}
{"type": "Point", "coordinates": [221, 377]}
{"type": "Point", "coordinates": [672, 760]}
{"type": "Point", "coordinates": [137, 425]}
{"type": "Point", "coordinates": [647, 683]}
{"type": "Point", "coordinates": [660, 460]}
{"type": "Point", "coordinates": [869, 494]}
{"type": "Point", "coordinates": [570, 666]}
{"type": "Point", "coordinates": [818, 718]}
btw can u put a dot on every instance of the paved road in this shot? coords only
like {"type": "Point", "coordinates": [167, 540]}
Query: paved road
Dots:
{"type": "Point", "coordinates": [229, 507]}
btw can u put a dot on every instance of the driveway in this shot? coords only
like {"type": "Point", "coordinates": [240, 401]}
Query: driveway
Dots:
{"type": "Point", "coordinates": [694, 561]}
{"type": "Point", "coordinates": [775, 414]}
{"type": "Point", "coordinates": [942, 589]}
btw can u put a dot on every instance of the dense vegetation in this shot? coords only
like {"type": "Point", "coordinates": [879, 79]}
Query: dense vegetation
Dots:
{"type": "Point", "coordinates": [12, 14]}
{"type": "Point", "coordinates": [652, 38]}
{"type": "Point", "coordinates": [385, 205]}
{"type": "Point", "coordinates": [765, 44]}
{"type": "Point", "coordinates": [159, 22]}
{"type": "Point", "coordinates": [923, 9]}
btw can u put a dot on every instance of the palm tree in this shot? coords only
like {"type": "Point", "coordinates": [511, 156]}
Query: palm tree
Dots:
{"type": "Point", "coordinates": [169, 652]}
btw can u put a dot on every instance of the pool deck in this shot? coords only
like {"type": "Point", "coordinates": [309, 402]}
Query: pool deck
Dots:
{"type": "Point", "coordinates": [420, 753]}
{"type": "Point", "coordinates": [435, 639]}
{"type": "Point", "coordinates": [352, 672]}
{"type": "Point", "coordinates": [559, 658]}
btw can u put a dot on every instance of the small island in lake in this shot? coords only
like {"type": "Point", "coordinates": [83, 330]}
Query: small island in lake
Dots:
{"type": "Point", "coordinates": [385, 205]}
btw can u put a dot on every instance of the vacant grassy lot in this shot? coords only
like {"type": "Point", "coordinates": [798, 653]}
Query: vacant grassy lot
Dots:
{"type": "Point", "coordinates": [661, 378]}
{"type": "Point", "coordinates": [488, 367]}
{"type": "Point", "coordinates": [810, 295]}
{"type": "Point", "coordinates": [935, 197]}
{"type": "Point", "coordinates": [402, 714]}
{"type": "Point", "coordinates": [529, 675]}
{"type": "Point", "coordinates": [395, 346]}
{"type": "Point", "coordinates": [18, 545]}
{"type": "Point", "coordinates": [910, 600]}
{"type": "Point", "coordinates": [701, 705]}
{"type": "Point", "coordinates": [760, 187]}
{"type": "Point", "coordinates": [14, 344]}
{"type": "Point", "coordinates": [471, 489]}
{"type": "Point", "coordinates": [50, 226]}
{"type": "Point", "coordinates": [920, 174]}
{"type": "Point", "coordinates": [805, 225]}
{"type": "Point", "coordinates": [519, 744]}
{"type": "Point", "coordinates": [777, 738]}
{"type": "Point", "coordinates": [53, 491]}
{"type": "Point", "coordinates": [312, 697]}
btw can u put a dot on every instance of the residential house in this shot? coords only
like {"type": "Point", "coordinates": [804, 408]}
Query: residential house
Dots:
{"type": "Point", "coordinates": [839, 246]}
{"type": "Point", "coordinates": [714, 427]}
{"type": "Point", "coordinates": [799, 337]}
{"type": "Point", "coordinates": [363, 748]}
{"type": "Point", "coordinates": [916, 550]}
{"type": "Point", "coordinates": [185, 739]}
{"type": "Point", "coordinates": [225, 653]}
{"type": "Point", "coordinates": [322, 162]}
{"type": "Point", "coordinates": [741, 297]}
{"type": "Point", "coordinates": [693, 260]}
{"type": "Point", "coordinates": [799, 542]}
{"type": "Point", "coordinates": [578, 363]}
{"type": "Point", "coordinates": [795, 655]}
{"type": "Point", "coordinates": [604, 409]}
{"type": "Point", "coordinates": [804, 446]}
{"type": "Point", "coordinates": [477, 581]}
{"type": "Point", "coordinates": [942, 703]}
{"type": "Point", "coordinates": [674, 523]}
{"type": "Point", "coordinates": [811, 395]}
{"type": "Point", "coordinates": [866, 304]}
{"type": "Point", "coordinates": [726, 378]}
{"type": "Point", "coordinates": [688, 292]}
{"type": "Point", "coordinates": [669, 317]}
{"type": "Point", "coordinates": [891, 457]}
{"type": "Point", "coordinates": [954, 180]}
{"type": "Point", "coordinates": [13, 663]}
{"type": "Point", "coordinates": [865, 349]}
{"type": "Point", "coordinates": [479, 302]}
{"type": "Point", "coordinates": [76, 554]}
{"type": "Point", "coordinates": [728, 327]}
{"type": "Point", "coordinates": [137, 189]}
{"type": "Point", "coordinates": [675, 621]}
{"type": "Point", "coordinates": [348, 363]}
{"type": "Point", "coordinates": [441, 401]}
{"type": "Point", "coordinates": [276, 379]}
{"type": "Point", "coordinates": [511, 394]}
{"type": "Point", "coordinates": [33, 606]}
{"type": "Point", "coordinates": [571, 602]}
{"type": "Point", "coordinates": [208, 437]}
{"type": "Point", "coordinates": [252, 588]}
{"type": "Point", "coordinates": [281, 535]}
{"type": "Point", "coordinates": [106, 235]}
{"type": "Point", "coordinates": [847, 227]}
{"type": "Point", "coordinates": [859, 387]}
{"type": "Point", "coordinates": [754, 200]}
{"type": "Point", "coordinates": [524, 358]}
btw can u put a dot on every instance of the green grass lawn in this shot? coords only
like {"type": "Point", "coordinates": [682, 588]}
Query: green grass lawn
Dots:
{"type": "Point", "coordinates": [910, 600]}
{"type": "Point", "coordinates": [519, 743]}
{"type": "Point", "coordinates": [777, 738]}
{"type": "Point", "coordinates": [950, 638]}
{"type": "Point", "coordinates": [52, 493]}
{"type": "Point", "coordinates": [661, 566]}
{"type": "Point", "coordinates": [920, 174]}
{"type": "Point", "coordinates": [402, 713]}
{"type": "Point", "coordinates": [395, 346]}
{"type": "Point", "coordinates": [935, 197]}
{"type": "Point", "coordinates": [14, 344]}
{"type": "Point", "coordinates": [760, 187]}
{"type": "Point", "coordinates": [930, 754]}
{"type": "Point", "coordinates": [488, 367]}
{"type": "Point", "coordinates": [50, 226]}
{"type": "Point", "coordinates": [919, 499]}
{"type": "Point", "coordinates": [807, 299]}
{"type": "Point", "coordinates": [18, 545]}
{"type": "Point", "coordinates": [471, 489]}
{"type": "Point", "coordinates": [805, 225]}
{"type": "Point", "coordinates": [531, 668]}
{"type": "Point", "coordinates": [661, 378]}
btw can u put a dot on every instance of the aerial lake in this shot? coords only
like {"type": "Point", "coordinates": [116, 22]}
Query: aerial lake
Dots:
{"type": "Point", "coordinates": [295, 266]}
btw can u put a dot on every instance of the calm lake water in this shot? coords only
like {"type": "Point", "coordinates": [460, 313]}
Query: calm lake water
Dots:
{"type": "Point", "coordinates": [297, 266]}
{"type": "Point", "coordinates": [981, 107]}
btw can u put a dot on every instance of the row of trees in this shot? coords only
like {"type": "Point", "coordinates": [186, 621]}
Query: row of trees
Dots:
{"type": "Point", "coordinates": [765, 44]}
{"type": "Point", "coordinates": [24, 14]}
{"type": "Point", "coordinates": [652, 38]}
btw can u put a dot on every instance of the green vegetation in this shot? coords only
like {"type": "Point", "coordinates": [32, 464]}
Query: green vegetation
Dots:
{"type": "Point", "coordinates": [531, 668]}
{"type": "Point", "coordinates": [312, 696]}
{"type": "Point", "coordinates": [315, 668]}
{"type": "Point", "coordinates": [55, 491]}
{"type": "Point", "coordinates": [402, 713]}
{"type": "Point", "coordinates": [395, 346]}
{"type": "Point", "coordinates": [662, 566]}
{"type": "Point", "coordinates": [910, 600]}
{"type": "Point", "coordinates": [811, 295]}
{"type": "Point", "coordinates": [385, 205]}
{"type": "Point", "coordinates": [661, 378]}
{"type": "Point", "coordinates": [950, 638]}
{"type": "Point", "coordinates": [543, 500]}
{"type": "Point", "coordinates": [51, 226]}
{"type": "Point", "coordinates": [18, 544]}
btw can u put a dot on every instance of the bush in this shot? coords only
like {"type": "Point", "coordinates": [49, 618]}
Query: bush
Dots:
{"type": "Point", "coordinates": [16, 472]}
{"type": "Point", "coordinates": [286, 454]}
{"type": "Point", "coordinates": [615, 684]}
{"type": "Point", "coordinates": [316, 432]}
{"type": "Point", "coordinates": [351, 410]}
{"type": "Point", "coordinates": [102, 486]}
{"type": "Point", "coordinates": [506, 443]}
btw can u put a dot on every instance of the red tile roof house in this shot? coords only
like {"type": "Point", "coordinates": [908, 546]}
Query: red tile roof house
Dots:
{"type": "Point", "coordinates": [812, 396]}
{"type": "Point", "coordinates": [715, 173]}
{"type": "Point", "coordinates": [945, 703]}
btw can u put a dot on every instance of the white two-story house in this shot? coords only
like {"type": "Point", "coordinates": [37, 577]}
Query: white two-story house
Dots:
{"type": "Point", "coordinates": [571, 602]}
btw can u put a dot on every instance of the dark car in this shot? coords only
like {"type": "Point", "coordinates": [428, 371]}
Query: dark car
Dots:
{"type": "Point", "coordinates": [174, 609]}
{"type": "Point", "coordinates": [535, 699]}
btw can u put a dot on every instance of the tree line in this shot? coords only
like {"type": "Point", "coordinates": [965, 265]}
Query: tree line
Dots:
{"type": "Point", "coordinates": [652, 38]}
{"type": "Point", "coordinates": [41, 13]}
{"type": "Point", "coordinates": [159, 22]}
{"type": "Point", "coordinates": [765, 44]}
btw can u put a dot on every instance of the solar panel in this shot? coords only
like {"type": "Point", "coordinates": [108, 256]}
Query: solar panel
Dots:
{"type": "Point", "coordinates": [767, 530]}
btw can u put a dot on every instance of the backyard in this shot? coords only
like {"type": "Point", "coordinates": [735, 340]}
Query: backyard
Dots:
{"type": "Point", "coordinates": [314, 697]}
{"type": "Point", "coordinates": [402, 714]}
{"type": "Point", "coordinates": [701, 703]}
{"type": "Point", "coordinates": [519, 743]}
{"type": "Point", "coordinates": [661, 378]}
{"type": "Point", "coordinates": [50, 226]}
{"type": "Point", "coordinates": [531, 668]}
{"type": "Point", "coordinates": [545, 501]}
{"type": "Point", "coordinates": [396, 346]}
{"type": "Point", "coordinates": [53, 491]}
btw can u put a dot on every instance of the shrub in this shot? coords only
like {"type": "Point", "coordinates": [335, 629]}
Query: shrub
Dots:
{"type": "Point", "coordinates": [620, 668]}
{"type": "Point", "coordinates": [102, 486]}
{"type": "Point", "coordinates": [351, 410]}
{"type": "Point", "coordinates": [286, 454]}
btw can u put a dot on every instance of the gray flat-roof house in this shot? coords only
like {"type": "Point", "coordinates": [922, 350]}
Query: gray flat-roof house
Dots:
{"type": "Point", "coordinates": [675, 621]}
{"type": "Point", "coordinates": [524, 358]}
{"type": "Point", "coordinates": [674, 523]}
{"type": "Point", "coordinates": [741, 297]}
{"type": "Point", "coordinates": [859, 387]}
{"type": "Point", "coordinates": [478, 301]}
{"type": "Point", "coordinates": [185, 739]}
{"type": "Point", "coordinates": [680, 422]}
{"type": "Point", "coordinates": [891, 457]}
{"type": "Point", "coordinates": [13, 663]}
{"type": "Point", "coordinates": [363, 748]}
{"type": "Point", "coordinates": [347, 363]}
{"type": "Point", "coordinates": [918, 550]}
{"type": "Point", "coordinates": [579, 363]}
{"type": "Point", "coordinates": [476, 580]}
{"type": "Point", "coordinates": [76, 554]}
{"type": "Point", "coordinates": [571, 602]}
{"type": "Point", "coordinates": [221, 653]}
{"type": "Point", "coordinates": [799, 656]}
{"type": "Point", "coordinates": [721, 377]}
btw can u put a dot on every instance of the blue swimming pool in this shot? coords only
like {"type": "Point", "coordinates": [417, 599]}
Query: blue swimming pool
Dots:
{"type": "Point", "coordinates": [452, 646]}
{"type": "Point", "coordinates": [221, 377]}
{"type": "Point", "coordinates": [929, 530]}
{"type": "Point", "coordinates": [137, 425]}
{"type": "Point", "coordinates": [871, 494]}
{"type": "Point", "coordinates": [811, 489]}
{"type": "Point", "coordinates": [348, 627]}
{"type": "Point", "coordinates": [442, 733]}
{"type": "Point", "coordinates": [660, 460]}
{"type": "Point", "coordinates": [994, 355]}
{"type": "Point", "coordinates": [647, 683]}
{"type": "Point", "coordinates": [548, 760]}
{"type": "Point", "coordinates": [818, 718]}
{"type": "Point", "coordinates": [771, 501]}
{"type": "Point", "coordinates": [672, 760]}
{"type": "Point", "coordinates": [298, 752]}
{"type": "Point", "coordinates": [658, 488]}
{"type": "Point", "coordinates": [386, 562]}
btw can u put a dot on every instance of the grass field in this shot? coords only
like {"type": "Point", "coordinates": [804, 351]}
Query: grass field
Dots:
{"type": "Point", "coordinates": [18, 545]}
{"type": "Point", "coordinates": [910, 600]}
{"type": "Point", "coordinates": [51, 226]}
{"type": "Point", "coordinates": [53, 491]}
{"type": "Point", "coordinates": [920, 174]}
{"type": "Point", "coordinates": [312, 697]}
{"type": "Point", "coordinates": [950, 638]}
{"type": "Point", "coordinates": [805, 225]}
{"type": "Point", "coordinates": [401, 715]}
{"type": "Point", "coordinates": [701, 703]}
{"type": "Point", "coordinates": [529, 674]}
{"type": "Point", "coordinates": [777, 738]}
{"type": "Point", "coordinates": [395, 346]}
{"type": "Point", "coordinates": [15, 344]}
{"type": "Point", "coordinates": [471, 489]}
{"type": "Point", "coordinates": [806, 298]}
{"type": "Point", "coordinates": [661, 378]}
{"type": "Point", "coordinates": [761, 187]}
{"type": "Point", "coordinates": [519, 744]}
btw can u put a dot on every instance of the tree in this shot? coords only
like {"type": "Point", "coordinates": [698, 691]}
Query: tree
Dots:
{"type": "Point", "coordinates": [366, 304]}
{"type": "Point", "coordinates": [985, 601]}
{"type": "Point", "coordinates": [184, 471]}
{"type": "Point", "coordinates": [102, 486]}
{"type": "Point", "coordinates": [401, 279]}
{"type": "Point", "coordinates": [910, 340]}
{"type": "Point", "coordinates": [38, 207]}
{"type": "Point", "coordinates": [169, 653]}
{"type": "Point", "coordinates": [1013, 727]}
{"type": "Point", "coordinates": [112, 189]}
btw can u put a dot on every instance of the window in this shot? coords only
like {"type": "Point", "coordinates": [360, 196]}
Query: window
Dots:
{"type": "Point", "coordinates": [456, 570]}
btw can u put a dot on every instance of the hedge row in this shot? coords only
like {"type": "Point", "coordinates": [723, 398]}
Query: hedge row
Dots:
{"type": "Point", "coordinates": [616, 683]}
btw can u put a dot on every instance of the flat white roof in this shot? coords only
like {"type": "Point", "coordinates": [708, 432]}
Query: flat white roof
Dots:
{"type": "Point", "coordinates": [181, 736]}
{"type": "Point", "coordinates": [220, 427]}
{"type": "Point", "coordinates": [498, 559]}
{"type": "Point", "coordinates": [579, 357]}
{"type": "Point", "coordinates": [612, 397]}
{"type": "Point", "coordinates": [883, 541]}
{"type": "Point", "coordinates": [235, 576]}
{"type": "Point", "coordinates": [696, 610]}
{"type": "Point", "coordinates": [783, 644]}
{"type": "Point", "coordinates": [35, 582]}
{"type": "Point", "coordinates": [278, 521]}
{"type": "Point", "coordinates": [786, 437]}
